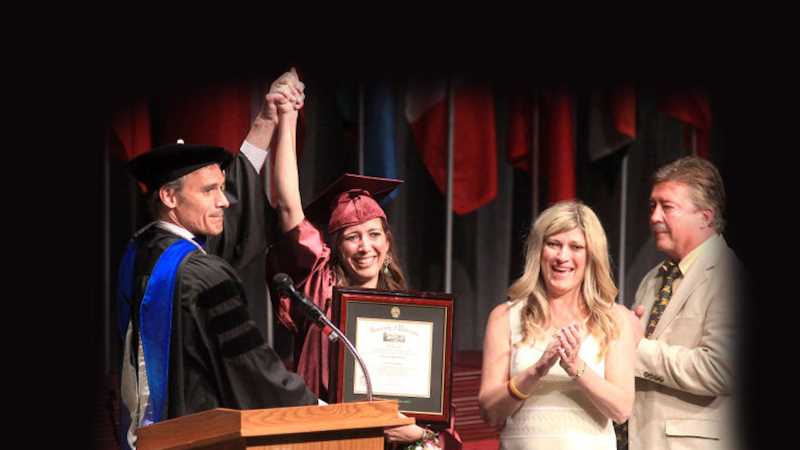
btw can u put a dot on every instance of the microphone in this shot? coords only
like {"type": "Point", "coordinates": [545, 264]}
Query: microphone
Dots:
{"type": "Point", "coordinates": [284, 284]}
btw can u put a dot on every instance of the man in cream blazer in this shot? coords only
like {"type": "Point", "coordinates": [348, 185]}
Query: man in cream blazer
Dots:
{"type": "Point", "coordinates": [685, 366]}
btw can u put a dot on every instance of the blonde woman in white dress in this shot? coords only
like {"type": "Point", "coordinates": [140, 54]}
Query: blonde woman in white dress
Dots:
{"type": "Point", "coordinates": [561, 310]}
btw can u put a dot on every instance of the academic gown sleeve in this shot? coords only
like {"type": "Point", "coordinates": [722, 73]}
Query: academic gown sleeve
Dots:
{"type": "Point", "coordinates": [303, 255]}
{"type": "Point", "coordinates": [250, 225]}
{"type": "Point", "coordinates": [222, 359]}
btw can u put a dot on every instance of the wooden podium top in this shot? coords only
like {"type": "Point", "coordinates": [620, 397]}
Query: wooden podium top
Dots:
{"type": "Point", "coordinates": [218, 425]}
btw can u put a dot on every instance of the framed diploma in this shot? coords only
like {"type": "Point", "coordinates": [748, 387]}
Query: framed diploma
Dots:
{"type": "Point", "coordinates": [405, 339]}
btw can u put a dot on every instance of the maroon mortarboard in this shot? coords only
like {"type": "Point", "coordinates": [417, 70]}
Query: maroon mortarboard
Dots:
{"type": "Point", "coordinates": [350, 200]}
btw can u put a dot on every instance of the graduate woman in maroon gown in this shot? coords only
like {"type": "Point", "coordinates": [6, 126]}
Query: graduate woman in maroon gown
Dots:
{"type": "Point", "coordinates": [361, 253]}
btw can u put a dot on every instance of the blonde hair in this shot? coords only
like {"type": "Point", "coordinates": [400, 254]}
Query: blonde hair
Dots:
{"type": "Point", "coordinates": [394, 280]}
{"type": "Point", "coordinates": [597, 287]}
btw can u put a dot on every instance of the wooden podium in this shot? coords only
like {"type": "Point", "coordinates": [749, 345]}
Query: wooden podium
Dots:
{"type": "Point", "coordinates": [341, 426]}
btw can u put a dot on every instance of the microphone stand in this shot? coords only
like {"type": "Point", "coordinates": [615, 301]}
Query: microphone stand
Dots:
{"type": "Point", "coordinates": [284, 284]}
{"type": "Point", "coordinates": [351, 349]}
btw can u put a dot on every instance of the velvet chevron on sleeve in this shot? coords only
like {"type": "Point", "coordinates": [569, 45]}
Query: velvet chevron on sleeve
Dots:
{"type": "Point", "coordinates": [224, 360]}
{"type": "Point", "coordinates": [250, 226]}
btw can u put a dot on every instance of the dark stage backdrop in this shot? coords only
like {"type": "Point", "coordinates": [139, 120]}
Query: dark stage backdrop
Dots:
{"type": "Point", "coordinates": [487, 243]}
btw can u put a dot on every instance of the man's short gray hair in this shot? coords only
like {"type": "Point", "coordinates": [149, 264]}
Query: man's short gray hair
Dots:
{"type": "Point", "coordinates": [154, 204]}
{"type": "Point", "coordinates": [704, 182]}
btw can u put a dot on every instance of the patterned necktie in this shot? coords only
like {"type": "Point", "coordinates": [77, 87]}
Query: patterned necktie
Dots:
{"type": "Point", "coordinates": [670, 271]}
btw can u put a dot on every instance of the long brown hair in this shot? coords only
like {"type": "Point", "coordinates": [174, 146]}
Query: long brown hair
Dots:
{"type": "Point", "coordinates": [393, 281]}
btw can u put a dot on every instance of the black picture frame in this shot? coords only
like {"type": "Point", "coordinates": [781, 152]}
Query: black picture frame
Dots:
{"type": "Point", "coordinates": [396, 314]}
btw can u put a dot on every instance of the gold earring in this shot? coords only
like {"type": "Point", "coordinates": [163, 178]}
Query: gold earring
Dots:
{"type": "Point", "coordinates": [386, 263]}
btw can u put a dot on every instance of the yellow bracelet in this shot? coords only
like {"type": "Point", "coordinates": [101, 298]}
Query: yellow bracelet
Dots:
{"type": "Point", "coordinates": [516, 393]}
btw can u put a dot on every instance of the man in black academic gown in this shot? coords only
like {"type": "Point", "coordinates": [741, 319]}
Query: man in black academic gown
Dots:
{"type": "Point", "coordinates": [190, 342]}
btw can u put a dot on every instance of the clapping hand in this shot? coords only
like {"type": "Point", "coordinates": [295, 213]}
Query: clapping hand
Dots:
{"type": "Point", "coordinates": [569, 340]}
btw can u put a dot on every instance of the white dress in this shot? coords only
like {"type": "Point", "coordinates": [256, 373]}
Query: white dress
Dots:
{"type": "Point", "coordinates": [558, 415]}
